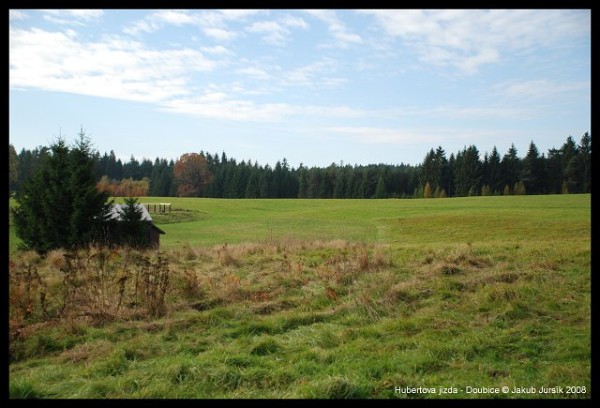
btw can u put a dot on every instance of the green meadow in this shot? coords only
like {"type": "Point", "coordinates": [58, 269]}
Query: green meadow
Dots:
{"type": "Point", "coordinates": [334, 299]}
{"type": "Point", "coordinates": [483, 220]}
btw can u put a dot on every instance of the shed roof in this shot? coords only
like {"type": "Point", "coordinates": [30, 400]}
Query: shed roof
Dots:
{"type": "Point", "coordinates": [115, 214]}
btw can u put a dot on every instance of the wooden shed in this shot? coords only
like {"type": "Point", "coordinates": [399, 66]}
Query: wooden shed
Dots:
{"type": "Point", "coordinates": [154, 233]}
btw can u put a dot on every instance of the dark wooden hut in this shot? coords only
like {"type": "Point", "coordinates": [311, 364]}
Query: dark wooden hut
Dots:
{"type": "Point", "coordinates": [153, 232]}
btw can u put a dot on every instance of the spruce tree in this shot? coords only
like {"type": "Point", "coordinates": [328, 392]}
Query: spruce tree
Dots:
{"type": "Point", "coordinates": [59, 206]}
{"type": "Point", "coordinates": [131, 229]}
{"type": "Point", "coordinates": [89, 206]}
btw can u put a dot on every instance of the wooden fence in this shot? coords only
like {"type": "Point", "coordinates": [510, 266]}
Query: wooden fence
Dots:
{"type": "Point", "coordinates": [158, 208]}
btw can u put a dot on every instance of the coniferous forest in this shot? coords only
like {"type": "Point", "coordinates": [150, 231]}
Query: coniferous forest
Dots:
{"type": "Point", "coordinates": [465, 173]}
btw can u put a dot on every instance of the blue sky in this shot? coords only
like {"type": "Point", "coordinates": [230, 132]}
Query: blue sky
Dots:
{"type": "Point", "coordinates": [312, 86]}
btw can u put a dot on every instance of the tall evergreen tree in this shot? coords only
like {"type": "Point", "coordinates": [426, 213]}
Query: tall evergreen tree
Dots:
{"type": "Point", "coordinates": [302, 182]}
{"type": "Point", "coordinates": [89, 206]}
{"type": "Point", "coordinates": [495, 172]}
{"type": "Point", "coordinates": [571, 165]}
{"type": "Point", "coordinates": [429, 171]}
{"type": "Point", "coordinates": [130, 229]}
{"type": "Point", "coordinates": [511, 166]}
{"type": "Point", "coordinates": [59, 206]}
{"type": "Point", "coordinates": [467, 172]}
{"type": "Point", "coordinates": [532, 170]}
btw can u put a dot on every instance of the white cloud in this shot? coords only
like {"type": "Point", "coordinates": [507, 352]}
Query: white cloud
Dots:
{"type": "Point", "coordinates": [294, 22]}
{"type": "Point", "coordinates": [217, 50]}
{"type": "Point", "coordinates": [345, 112]}
{"type": "Point", "coordinates": [219, 33]}
{"type": "Point", "coordinates": [15, 15]}
{"type": "Point", "coordinates": [157, 20]}
{"type": "Point", "coordinates": [129, 70]}
{"type": "Point", "coordinates": [241, 14]}
{"type": "Point", "coordinates": [175, 17]}
{"type": "Point", "coordinates": [311, 74]}
{"type": "Point", "coordinates": [541, 89]}
{"type": "Point", "coordinates": [274, 32]}
{"type": "Point", "coordinates": [277, 32]}
{"type": "Point", "coordinates": [72, 17]}
{"type": "Point", "coordinates": [57, 61]}
{"type": "Point", "coordinates": [469, 39]}
{"type": "Point", "coordinates": [254, 72]}
{"type": "Point", "coordinates": [336, 27]}
{"type": "Point", "coordinates": [212, 23]}
{"type": "Point", "coordinates": [142, 26]}
{"type": "Point", "coordinates": [220, 106]}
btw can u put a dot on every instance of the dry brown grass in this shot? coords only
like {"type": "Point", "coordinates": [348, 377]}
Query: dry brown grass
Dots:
{"type": "Point", "coordinates": [259, 275]}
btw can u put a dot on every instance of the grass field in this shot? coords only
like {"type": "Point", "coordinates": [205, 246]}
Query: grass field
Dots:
{"type": "Point", "coordinates": [339, 299]}
{"type": "Point", "coordinates": [459, 220]}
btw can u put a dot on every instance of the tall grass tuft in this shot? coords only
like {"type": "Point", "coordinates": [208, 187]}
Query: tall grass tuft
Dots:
{"type": "Point", "coordinates": [23, 389]}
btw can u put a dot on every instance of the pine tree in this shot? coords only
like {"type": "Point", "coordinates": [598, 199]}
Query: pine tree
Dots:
{"type": "Point", "coordinates": [89, 206]}
{"type": "Point", "coordinates": [302, 182]}
{"type": "Point", "coordinates": [130, 229]}
{"type": "Point", "coordinates": [59, 207]}
{"type": "Point", "coordinates": [467, 172]}
{"type": "Point", "coordinates": [532, 171]}
{"type": "Point", "coordinates": [495, 172]}
{"type": "Point", "coordinates": [511, 166]}
{"type": "Point", "coordinates": [571, 165]}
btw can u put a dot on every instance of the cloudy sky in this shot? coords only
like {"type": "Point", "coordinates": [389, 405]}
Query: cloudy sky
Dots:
{"type": "Point", "coordinates": [311, 86]}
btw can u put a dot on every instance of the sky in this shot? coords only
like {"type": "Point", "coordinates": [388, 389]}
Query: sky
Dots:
{"type": "Point", "coordinates": [316, 87]}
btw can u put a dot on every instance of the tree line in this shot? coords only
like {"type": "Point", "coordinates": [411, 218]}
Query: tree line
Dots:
{"type": "Point", "coordinates": [561, 170]}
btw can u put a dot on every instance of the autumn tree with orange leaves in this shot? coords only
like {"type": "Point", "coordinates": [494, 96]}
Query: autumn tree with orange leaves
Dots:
{"type": "Point", "coordinates": [191, 175]}
{"type": "Point", "coordinates": [124, 188]}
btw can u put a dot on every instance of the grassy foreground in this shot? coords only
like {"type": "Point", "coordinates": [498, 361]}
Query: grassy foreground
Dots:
{"type": "Point", "coordinates": [336, 299]}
